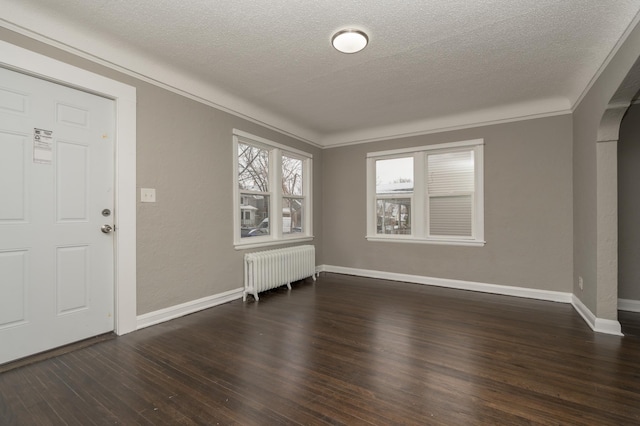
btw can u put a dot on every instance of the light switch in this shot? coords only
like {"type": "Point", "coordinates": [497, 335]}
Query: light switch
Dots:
{"type": "Point", "coordinates": [148, 195]}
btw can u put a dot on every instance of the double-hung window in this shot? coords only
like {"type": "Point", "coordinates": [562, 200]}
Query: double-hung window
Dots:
{"type": "Point", "coordinates": [430, 194]}
{"type": "Point", "coordinates": [272, 192]}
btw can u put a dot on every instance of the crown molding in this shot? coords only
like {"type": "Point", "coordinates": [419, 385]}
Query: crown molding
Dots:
{"type": "Point", "coordinates": [487, 117]}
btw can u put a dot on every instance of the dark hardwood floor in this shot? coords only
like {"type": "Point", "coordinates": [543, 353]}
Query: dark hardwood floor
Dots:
{"type": "Point", "coordinates": [344, 350]}
{"type": "Point", "coordinates": [630, 323]}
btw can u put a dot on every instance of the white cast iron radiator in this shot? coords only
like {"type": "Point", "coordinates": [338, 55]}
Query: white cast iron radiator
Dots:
{"type": "Point", "coordinates": [269, 269]}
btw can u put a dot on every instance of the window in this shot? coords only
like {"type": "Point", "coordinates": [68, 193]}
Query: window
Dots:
{"type": "Point", "coordinates": [431, 194]}
{"type": "Point", "coordinates": [292, 195]}
{"type": "Point", "coordinates": [272, 192]}
{"type": "Point", "coordinates": [394, 192]}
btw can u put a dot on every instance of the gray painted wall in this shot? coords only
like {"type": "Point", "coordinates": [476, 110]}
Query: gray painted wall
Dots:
{"type": "Point", "coordinates": [185, 240]}
{"type": "Point", "coordinates": [528, 210]}
{"type": "Point", "coordinates": [598, 297]}
{"type": "Point", "coordinates": [184, 150]}
{"type": "Point", "coordinates": [629, 206]}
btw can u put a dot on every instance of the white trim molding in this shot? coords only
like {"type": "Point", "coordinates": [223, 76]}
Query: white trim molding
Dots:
{"type": "Point", "coordinates": [503, 114]}
{"type": "Point", "coordinates": [528, 293]}
{"type": "Point", "coordinates": [629, 305]}
{"type": "Point", "coordinates": [124, 96]}
{"type": "Point", "coordinates": [599, 325]}
{"type": "Point", "coordinates": [177, 311]}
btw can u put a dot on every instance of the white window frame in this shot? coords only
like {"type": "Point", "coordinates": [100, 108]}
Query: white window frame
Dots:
{"type": "Point", "coordinates": [420, 198]}
{"type": "Point", "coordinates": [276, 151]}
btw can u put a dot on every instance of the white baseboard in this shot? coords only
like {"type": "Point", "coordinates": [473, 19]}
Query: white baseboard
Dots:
{"type": "Point", "coordinates": [629, 305]}
{"type": "Point", "coordinates": [597, 324]}
{"type": "Point", "coordinates": [172, 312]}
{"type": "Point", "coordinates": [529, 293]}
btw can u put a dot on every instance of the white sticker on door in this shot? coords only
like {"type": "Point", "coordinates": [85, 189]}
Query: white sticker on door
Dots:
{"type": "Point", "coordinates": [42, 146]}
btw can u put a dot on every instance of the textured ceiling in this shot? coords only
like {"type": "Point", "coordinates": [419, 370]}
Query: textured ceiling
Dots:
{"type": "Point", "coordinates": [429, 65]}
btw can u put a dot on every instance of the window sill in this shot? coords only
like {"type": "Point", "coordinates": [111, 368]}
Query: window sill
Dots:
{"type": "Point", "coordinates": [258, 244]}
{"type": "Point", "coordinates": [469, 243]}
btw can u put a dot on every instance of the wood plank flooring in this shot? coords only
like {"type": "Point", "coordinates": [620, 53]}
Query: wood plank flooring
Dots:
{"type": "Point", "coordinates": [343, 351]}
{"type": "Point", "coordinates": [630, 323]}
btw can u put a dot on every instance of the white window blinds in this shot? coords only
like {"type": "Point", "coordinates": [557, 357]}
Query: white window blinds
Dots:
{"type": "Point", "coordinates": [450, 192]}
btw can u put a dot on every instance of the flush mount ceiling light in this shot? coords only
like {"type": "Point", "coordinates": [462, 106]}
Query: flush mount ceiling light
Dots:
{"type": "Point", "coordinates": [349, 40]}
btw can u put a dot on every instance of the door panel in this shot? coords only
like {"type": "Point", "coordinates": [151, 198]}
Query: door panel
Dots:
{"type": "Point", "coordinates": [13, 264]}
{"type": "Point", "coordinates": [72, 266]}
{"type": "Point", "coordinates": [13, 102]}
{"type": "Point", "coordinates": [72, 180]}
{"type": "Point", "coordinates": [56, 266]}
{"type": "Point", "coordinates": [12, 169]}
{"type": "Point", "coordinates": [73, 116]}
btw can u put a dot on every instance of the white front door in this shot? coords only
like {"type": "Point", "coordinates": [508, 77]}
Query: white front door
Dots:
{"type": "Point", "coordinates": [56, 192]}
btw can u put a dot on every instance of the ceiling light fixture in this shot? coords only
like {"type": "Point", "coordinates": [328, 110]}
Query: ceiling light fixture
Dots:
{"type": "Point", "coordinates": [349, 40]}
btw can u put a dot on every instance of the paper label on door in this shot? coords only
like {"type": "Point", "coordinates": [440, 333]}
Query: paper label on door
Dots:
{"type": "Point", "coordinates": [42, 146]}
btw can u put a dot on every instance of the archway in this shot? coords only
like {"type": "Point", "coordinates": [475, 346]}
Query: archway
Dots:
{"type": "Point", "coordinates": [628, 225]}
{"type": "Point", "coordinates": [607, 194]}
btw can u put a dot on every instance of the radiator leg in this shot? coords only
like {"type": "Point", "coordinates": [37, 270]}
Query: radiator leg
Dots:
{"type": "Point", "coordinates": [289, 286]}
{"type": "Point", "coordinates": [247, 292]}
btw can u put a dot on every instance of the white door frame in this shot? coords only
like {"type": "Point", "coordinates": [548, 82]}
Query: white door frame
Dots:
{"type": "Point", "coordinates": [124, 96]}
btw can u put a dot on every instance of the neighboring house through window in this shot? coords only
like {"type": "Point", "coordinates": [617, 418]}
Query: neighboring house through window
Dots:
{"type": "Point", "coordinates": [272, 192]}
{"type": "Point", "coordinates": [430, 194]}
